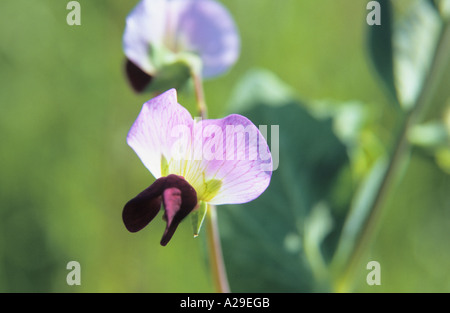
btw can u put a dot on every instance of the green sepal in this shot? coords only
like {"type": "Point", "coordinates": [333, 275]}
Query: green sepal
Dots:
{"type": "Point", "coordinates": [174, 75]}
{"type": "Point", "coordinates": [171, 70]}
{"type": "Point", "coordinates": [198, 216]}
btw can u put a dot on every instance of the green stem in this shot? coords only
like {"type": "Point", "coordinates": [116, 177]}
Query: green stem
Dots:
{"type": "Point", "coordinates": [400, 151]}
{"type": "Point", "coordinates": [215, 252]}
{"type": "Point", "coordinates": [214, 246]}
{"type": "Point", "coordinates": [200, 95]}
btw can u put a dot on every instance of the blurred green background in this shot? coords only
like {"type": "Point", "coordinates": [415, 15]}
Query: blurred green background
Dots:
{"type": "Point", "coordinates": [66, 171]}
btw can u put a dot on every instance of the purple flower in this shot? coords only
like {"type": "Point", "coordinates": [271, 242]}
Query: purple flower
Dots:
{"type": "Point", "coordinates": [217, 161]}
{"type": "Point", "coordinates": [158, 33]}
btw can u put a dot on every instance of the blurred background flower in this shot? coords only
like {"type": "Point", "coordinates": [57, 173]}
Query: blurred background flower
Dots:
{"type": "Point", "coordinates": [166, 39]}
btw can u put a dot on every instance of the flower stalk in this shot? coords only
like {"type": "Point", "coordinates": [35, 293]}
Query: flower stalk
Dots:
{"type": "Point", "coordinates": [216, 261]}
{"type": "Point", "coordinates": [215, 252]}
{"type": "Point", "coordinates": [199, 94]}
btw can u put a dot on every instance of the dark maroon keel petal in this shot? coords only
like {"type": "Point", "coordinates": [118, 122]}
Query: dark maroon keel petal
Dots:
{"type": "Point", "coordinates": [142, 209]}
{"type": "Point", "coordinates": [138, 79]}
{"type": "Point", "coordinates": [172, 204]}
{"type": "Point", "coordinates": [137, 213]}
{"type": "Point", "coordinates": [173, 192]}
{"type": "Point", "coordinates": [179, 199]}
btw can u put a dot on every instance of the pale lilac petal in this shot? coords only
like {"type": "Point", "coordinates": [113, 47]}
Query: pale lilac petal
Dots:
{"type": "Point", "coordinates": [144, 25]}
{"type": "Point", "coordinates": [206, 28]}
{"type": "Point", "coordinates": [236, 154]}
{"type": "Point", "coordinates": [203, 27]}
{"type": "Point", "coordinates": [225, 160]}
{"type": "Point", "coordinates": [161, 130]}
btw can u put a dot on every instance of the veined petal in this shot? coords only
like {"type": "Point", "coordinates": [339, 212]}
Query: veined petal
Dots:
{"type": "Point", "coordinates": [226, 160]}
{"type": "Point", "coordinates": [159, 32]}
{"type": "Point", "coordinates": [161, 134]}
{"type": "Point", "coordinates": [144, 25]}
{"type": "Point", "coordinates": [204, 27]}
{"type": "Point", "coordinates": [236, 162]}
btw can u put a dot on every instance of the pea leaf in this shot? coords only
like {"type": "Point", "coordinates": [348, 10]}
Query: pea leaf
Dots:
{"type": "Point", "coordinates": [282, 241]}
{"type": "Point", "coordinates": [380, 46]}
{"type": "Point", "coordinates": [402, 49]}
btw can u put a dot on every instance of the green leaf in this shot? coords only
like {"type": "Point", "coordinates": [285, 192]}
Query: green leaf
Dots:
{"type": "Point", "coordinates": [434, 4]}
{"type": "Point", "coordinates": [441, 6]}
{"type": "Point", "coordinates": [355, 124]}
{"type": "Point", "coordinates": [380, 46]}
{"type": "Point", "coordinates": [430, 135]}
{"type": "Point", "coordinates": [444, 8]}
{"type": "Point", "coordinates": [442, 157]}
{"type": "Point", "coordinates": [360, 211]}
{"type": "Point", "coordinates": [282, 241]}
{"type": "Point", "coordinates": [403, 48]}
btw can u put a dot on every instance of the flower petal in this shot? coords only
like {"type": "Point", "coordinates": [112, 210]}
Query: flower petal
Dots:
{"type": "Point", "coordinates": [225, 160]}
{"type": "Point", "coordinates": [158, 27]}
{"type": "Point", "coordinates": [138, 79]}
{"type": "Point", "coordinates": [144, 25]}
{"type": "Point", "coordinates": [162, 126]}
{"type": "Point", "coordinates": [206, 28]}
{"type": "Point", "coordinates": [236, 161]}
{"type": "Point", "coordinates": [142, 209]}
{"type": "Point", "coordinates": [179, 199]}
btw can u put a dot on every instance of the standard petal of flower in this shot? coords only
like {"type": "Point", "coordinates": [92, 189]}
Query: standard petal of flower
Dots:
{"type": "Point", "coordinates": [206, 28]}
{"type": "Point", "coordinates": [144, 25]}
{"type": "Point", "coordinates": [161, 134]}
{"type": "Point", "coordinates": [236, 163]}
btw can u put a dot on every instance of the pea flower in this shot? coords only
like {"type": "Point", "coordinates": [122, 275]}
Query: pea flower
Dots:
{"type": "Point", "coordinates": [162, 37]}
{"type": "Point", "coordinates": [215, 161]}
